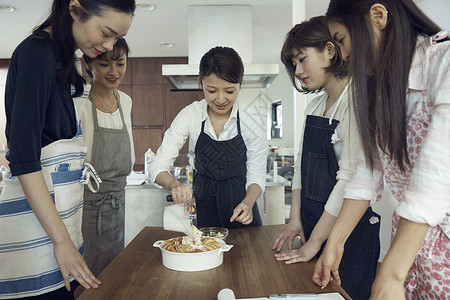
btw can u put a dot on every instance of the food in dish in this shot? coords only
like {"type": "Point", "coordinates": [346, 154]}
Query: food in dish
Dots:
{"type": "Point", "coordinates": [186, 244]}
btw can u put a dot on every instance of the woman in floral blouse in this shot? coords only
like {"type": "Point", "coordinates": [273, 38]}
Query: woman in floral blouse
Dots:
{"type": "Point", "coordinates": [400, 64]}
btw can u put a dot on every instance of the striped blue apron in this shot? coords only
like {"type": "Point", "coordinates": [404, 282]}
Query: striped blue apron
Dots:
{"type": "Point", "coordinates": [27, 263]}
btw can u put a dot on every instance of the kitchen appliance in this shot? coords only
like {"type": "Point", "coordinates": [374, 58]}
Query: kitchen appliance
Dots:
{"type": "Point", "coordinates": [219, 25]}
{"type": "Point", "coordinates": [192, 262]}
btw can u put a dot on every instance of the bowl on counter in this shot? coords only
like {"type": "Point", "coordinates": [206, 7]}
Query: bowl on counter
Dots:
{"type": "Point", "coordinates": [193, 262]}
{"type": "Point", "coordinates": [215, 232]}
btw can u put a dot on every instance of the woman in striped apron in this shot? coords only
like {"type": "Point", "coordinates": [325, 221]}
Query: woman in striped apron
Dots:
{"type": "Point", "coordinates": [41, 202]}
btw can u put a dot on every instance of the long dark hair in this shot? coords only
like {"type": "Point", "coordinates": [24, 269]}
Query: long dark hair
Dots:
{"type": "Point", "coordinates": [120, 48]}
{"type": "Point", "coordinates": [60, 22]}
{"type": "Point", "coordinates": [380, 99]}
{"type": "Point", "coordinates": [310, 34]}
{"type": "Point", "coordinates": [224, 62]}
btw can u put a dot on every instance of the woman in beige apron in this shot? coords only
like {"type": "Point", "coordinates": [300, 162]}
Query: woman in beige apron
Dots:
{"type": "Point", "coordinates": [110, 151]}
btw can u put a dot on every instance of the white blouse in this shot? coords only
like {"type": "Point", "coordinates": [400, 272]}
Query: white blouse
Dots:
{"type": "Point", "coordinates": [188, 123]}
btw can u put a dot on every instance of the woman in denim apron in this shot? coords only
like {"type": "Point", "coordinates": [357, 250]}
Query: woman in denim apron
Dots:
{"type": "Point", "coordinates": [106, 125]}
{"type": "Point", "coordinates": [41, 202]}
{"type": "Point", "coordinates": [327, 159]}
{"type": "Point", "coordinates": [229, 145]}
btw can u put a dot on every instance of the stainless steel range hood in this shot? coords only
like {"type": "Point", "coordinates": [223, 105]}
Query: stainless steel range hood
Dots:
{"type": "Point", "coordinates": [219, 25]}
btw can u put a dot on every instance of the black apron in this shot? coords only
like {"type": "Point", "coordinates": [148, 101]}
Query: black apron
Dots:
{"type": "Point", "coordinates": [220, 179]}
{"type": "Point", "coordinates": [319, 168]}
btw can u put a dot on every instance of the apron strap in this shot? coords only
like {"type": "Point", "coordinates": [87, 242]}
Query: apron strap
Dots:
{"type": "Point", "coordinates": [339, 102]}
{"type": "Point", "coordinates": [334, 138]}
{"type": "Point", "coordinates": [89, 173]}
{"type": "Point", "coordinates": [99, 202]}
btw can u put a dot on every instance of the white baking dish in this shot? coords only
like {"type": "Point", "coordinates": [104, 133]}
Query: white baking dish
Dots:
{"type": "Point", "coordinates": [192, 262]}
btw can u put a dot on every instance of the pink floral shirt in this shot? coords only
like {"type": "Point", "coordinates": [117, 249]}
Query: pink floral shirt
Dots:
{"type": "Point", "coordinates": [424, 189]}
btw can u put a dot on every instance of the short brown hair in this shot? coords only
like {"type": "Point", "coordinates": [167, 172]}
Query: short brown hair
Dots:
{"type": "Point", "coordinates": [311, 34]}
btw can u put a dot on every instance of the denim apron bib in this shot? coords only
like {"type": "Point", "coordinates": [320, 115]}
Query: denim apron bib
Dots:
{"type": "Point", "coordinates": [27, 262]}
{"type": "Point", "coordinates": [104, 212]}
{"type": "Point", "coordinates": [220, 179]}
{"type": "Point", "coordinates": [319, 167]}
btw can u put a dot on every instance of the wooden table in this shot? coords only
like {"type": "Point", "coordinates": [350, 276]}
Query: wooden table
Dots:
{"type": "Point", "coordinates": [249, 269]}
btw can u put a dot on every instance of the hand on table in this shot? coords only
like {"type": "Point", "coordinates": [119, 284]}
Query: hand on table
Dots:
{"type": "Point", "coordinates": [293, 229]}
{"type": "Point", "coordinates": [71, 262]}
{"type": "Point", "coordinates": [304, 254]}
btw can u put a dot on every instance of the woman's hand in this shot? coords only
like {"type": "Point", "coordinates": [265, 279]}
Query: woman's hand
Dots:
{"type": "Point", "coordinates": [387, 287]}
{"type": "Point", "coordinates": [304, 254]}
{"type": "Point", "coordinates": [293, 229]}
{"type": "Point", "coordinates": [395, 266]}
{"type": "Point", "coordinates": [181, 194]}
{"type": "Point", "coordinates": [242, 213]}
{"type": "Point", "coordinates": [71, 262]}
{"type": "Point", "coordinates": [328, 263]}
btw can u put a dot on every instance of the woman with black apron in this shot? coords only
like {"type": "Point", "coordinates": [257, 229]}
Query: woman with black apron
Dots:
{"type": "Point", "coordinates": [229, 146]}
{"type": "Point", "coordinates": [106, 125]}
{"type": "Point", "coordinates": [327, 159]}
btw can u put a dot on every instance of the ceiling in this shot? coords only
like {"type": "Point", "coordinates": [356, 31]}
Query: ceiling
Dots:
{"type": "Point", "coordinates": [272, 19]}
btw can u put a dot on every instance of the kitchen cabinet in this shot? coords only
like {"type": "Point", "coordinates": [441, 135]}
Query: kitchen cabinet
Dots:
{"type": "Point", "coordinates": [146, 70]}
{"type": "Point", "coordinates": [155, 105]}
{"type": "Point", "coordinates": [143, 139]}
{"type": "Point", "coordinates": [148, 105]}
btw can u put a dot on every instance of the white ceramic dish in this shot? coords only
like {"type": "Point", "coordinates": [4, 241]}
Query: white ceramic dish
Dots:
{"type": "Point", "coordinates": [192, 262]}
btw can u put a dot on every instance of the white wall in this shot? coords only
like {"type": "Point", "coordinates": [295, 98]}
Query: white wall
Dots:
{"type": "Point", "coordinates": [438, 11]}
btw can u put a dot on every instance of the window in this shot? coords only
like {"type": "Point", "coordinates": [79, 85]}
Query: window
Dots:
{"type": "Point", "coordinates": [276, 131]}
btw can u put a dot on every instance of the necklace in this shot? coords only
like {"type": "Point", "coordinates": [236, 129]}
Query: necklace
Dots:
{"type": "Point", "coordinates": [110, 110]}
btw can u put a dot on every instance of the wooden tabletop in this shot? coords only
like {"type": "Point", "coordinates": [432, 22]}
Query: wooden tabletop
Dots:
{"type": "Point", "coordinates": [249, 269]}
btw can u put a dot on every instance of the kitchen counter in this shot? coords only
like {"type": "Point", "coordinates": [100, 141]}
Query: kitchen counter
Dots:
{"type": "Point", "coordinates": [136, 181]}
{"type": "Point", "coordinates": [144, 204]}
{"type": "Point", "coordinates": [249, 269]}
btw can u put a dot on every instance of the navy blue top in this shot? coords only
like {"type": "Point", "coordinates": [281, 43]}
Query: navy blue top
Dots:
{"type": "Point", "coordinates": [39, 110]}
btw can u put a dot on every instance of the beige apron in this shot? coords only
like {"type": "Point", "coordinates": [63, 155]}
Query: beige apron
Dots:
{"type": "Point", "coordinates": [27, 263]}
{"type": "Point", "coordinates": [104, 212]}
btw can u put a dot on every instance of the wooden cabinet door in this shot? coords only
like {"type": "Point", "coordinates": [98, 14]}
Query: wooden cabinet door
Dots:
{"type": "Point", "coordinates": [146, 71]}
{"type": "Point", "coordinates": [148, 105]}
{"type": "Point", "coordinates": [145, 138]}
{"type": "Point", "coordinates": [175, 102]}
